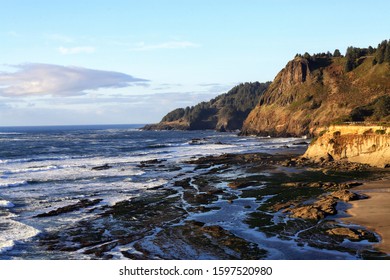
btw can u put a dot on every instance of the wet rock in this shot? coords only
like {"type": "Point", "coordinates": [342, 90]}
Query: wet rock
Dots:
{"type": "Point", "coordinates": [315, 185]}
{"type": "Point", "coordinates": [69, 208]}
{"type": "Point", "coordinates": [240, 184]}
{"type": "Point", "coordinates": [345, 195]}
{"type": "Point", "coordinates": [198, 141]}
{"type": "Point", "coordinates": [309, 212]}
{"type": "Point", "coordinates": [102, 167]}
{"type": "Point", "coordinates": [194, 240]}
{"type": "Point", "coordinates": [292, 184]}
{"type": "Point", "coordinates": [319, 210]}
{"type": "Point", "coordinates": [184, 183]}
{"type": "Point", "coordinates": [151, 162]}
{"type": "Point", "coordinates": [302, 143]}
{"type": "Point", "coordinates": [327, 205]}
{"type": "Point", "coordinates": [347, 232]}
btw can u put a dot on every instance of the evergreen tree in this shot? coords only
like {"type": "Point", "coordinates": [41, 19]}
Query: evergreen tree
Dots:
{"type": "Point", "coordinates": [386, 56]}
{"type": "Point", "coordinates": [350, 55]}
{"type": "Point", "coordinates": [337, 53]}
{"type": "Point", "coordinates": [380, 53]}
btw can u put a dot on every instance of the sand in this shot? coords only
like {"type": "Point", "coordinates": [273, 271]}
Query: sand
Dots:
{"type": "Point", "coordinates": [374, 212]}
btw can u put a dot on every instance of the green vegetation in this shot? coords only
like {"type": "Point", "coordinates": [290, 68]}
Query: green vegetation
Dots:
{"type": "Point", "coordinates": [378, 110]}
{"type": "Point", "coordinates": [355, 56]}
{"type": "Point", "coordinates": [380, 131]}
{"type": "Point", "coordinates": [224, 112]}
{"type": "Point", "coordinates": [330, 88]}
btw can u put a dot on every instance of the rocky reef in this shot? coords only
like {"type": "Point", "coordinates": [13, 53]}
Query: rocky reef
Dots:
{"type": "Point", "coordinates": [231, 206]}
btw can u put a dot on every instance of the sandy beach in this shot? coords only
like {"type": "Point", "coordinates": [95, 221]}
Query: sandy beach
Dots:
{"type": "Point", "coordinates": [374, 212]}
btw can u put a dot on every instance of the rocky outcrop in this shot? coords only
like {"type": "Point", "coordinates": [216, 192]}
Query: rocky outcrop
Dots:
{"type": "Point", "coordinates": [361, 144]}
{"type": "Point", "coordinates": [173, 125]}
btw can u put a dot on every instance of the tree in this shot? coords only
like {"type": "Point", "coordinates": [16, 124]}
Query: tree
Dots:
{"type": "Point", "coordinates": [386, 55]}
{"type": "Point", "coordinates": [380, 53]}
{"type": "Point", "coordinates": [350, 55]}
{"type": "Point", "coordinates": [337, 53]}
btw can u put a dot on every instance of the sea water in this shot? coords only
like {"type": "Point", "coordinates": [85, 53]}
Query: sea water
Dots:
{"type": "Point", "coordinates": [45, 168]}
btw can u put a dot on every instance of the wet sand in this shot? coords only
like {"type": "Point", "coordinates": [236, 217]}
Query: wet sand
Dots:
{"type": "Point", "coordinates": [374, 212]}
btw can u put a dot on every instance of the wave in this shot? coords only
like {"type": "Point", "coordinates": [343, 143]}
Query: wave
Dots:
{"type": "Point", "coordinates": [32, 169]}
{"type": "Point", "coordinates": [6, 204]}
{"type": "Point", "coordinates": [157, 146]}
{"type": "Point", "coordinates": [12, 232]}
{"type": "Point", "coordinates": [11, 133]}
{"type": "Point", "coordinates": [13, 184]}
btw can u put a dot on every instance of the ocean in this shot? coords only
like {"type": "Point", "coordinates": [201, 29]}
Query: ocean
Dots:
{"type": "Point", "coordinates": [46, 168]}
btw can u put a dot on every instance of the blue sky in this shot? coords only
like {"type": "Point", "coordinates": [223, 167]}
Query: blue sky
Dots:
{"type": "Point", "coordinates": [112, 62]}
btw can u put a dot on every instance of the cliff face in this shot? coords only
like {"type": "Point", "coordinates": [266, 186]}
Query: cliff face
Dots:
{"type": "Point", "coordinates": [310, 93]}
{"type": "Point", "coordinates": [362, 144]}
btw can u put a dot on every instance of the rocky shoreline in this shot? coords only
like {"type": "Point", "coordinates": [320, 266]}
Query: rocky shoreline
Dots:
{"type": "Point", "coordinates": [232, 206]}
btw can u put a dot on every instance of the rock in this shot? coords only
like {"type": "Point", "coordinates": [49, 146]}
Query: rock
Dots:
{"type": "Point", "coordinates": [347, 232]}
{"type": "Point", "coordinates": [327, 205]}
{"type": "Point", "coordinates": [292, 184]}
{"type": "Point", "coordinates": [308, 212]}
{"type": "Point", "coordinates": [315, 185]}
{"type": "Point", "coordinates": [345, 195]}
{"type": "Point", "coordinates": [102, 167]}
{"type": "Point", "coordinates": [214, 231]}
{"type": "Point", "coordinates": [352, 143]}
{"type": "Point", "coordinates": [69, 208]}
{"type": "Point", "coordinates": [300, 143]}
{"type": "Point", "coordinates": [198, 141]}
{"type": "Point", "coordinates": [318, 210]}
{"type": "Point", "coordinates": [329, 157]}
{"type": "Point", "coordinates": [238, 184]}
{"type": "Point", "coordinates": [153, 161]}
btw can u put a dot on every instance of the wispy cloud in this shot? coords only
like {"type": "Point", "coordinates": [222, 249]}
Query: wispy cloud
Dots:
{"type": "Point", "coordinates": [76, 50]}
{"type": "Point", "coordinates": [34, 79]}
{"type": "Point", "coordinates": [142, 46]}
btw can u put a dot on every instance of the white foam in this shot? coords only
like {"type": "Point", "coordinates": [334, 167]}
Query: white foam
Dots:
{"type": "Point", "coordinates": [11, 133]}
{"type": "Point", "coordinates": [6, 204]}
{"type": "Point", "coordinates": [6, 245]}
{"type": "Point", "coordinates": [13, 231]}
{"type": "Point", "coordinates": [12, 184]}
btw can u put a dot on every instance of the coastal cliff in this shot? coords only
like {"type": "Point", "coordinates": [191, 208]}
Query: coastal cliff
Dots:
{"type": "Point", "coordinates": [314, 91]}
{"type": "Point", "coordinates": [367, 144]}
{"type": "Point", "coordinates": [226, 112]}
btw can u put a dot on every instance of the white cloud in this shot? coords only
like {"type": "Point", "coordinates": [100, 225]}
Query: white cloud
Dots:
{"type": "Point", "coordinates": [166, 45]}
{"type": "Point", "coordinates": [76, 50]}
{"type": "Point", "coordinates": [34, 79]}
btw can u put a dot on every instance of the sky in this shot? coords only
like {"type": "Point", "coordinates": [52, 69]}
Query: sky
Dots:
{"type": "Point", "coordinates": [124, 62]}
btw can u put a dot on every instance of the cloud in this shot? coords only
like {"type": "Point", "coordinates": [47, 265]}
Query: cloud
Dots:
{"type": "Point", "coordinates": [166, 45]}
{"type": "Point", "coordinates": [76, 50]}
{"type": "Point", "coordinates": [35, 79]}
